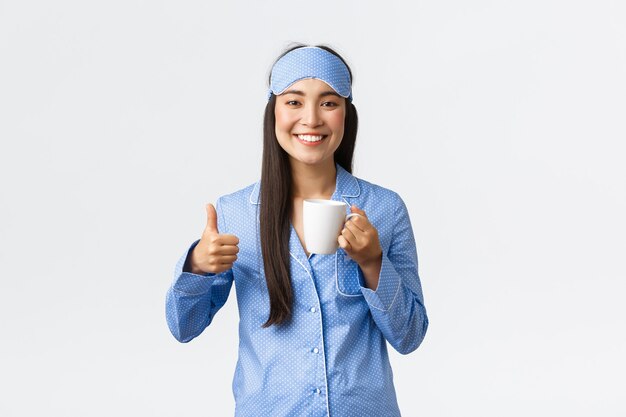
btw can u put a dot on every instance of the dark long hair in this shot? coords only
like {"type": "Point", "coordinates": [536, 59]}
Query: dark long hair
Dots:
{"type": "Point", "coordinates": [276, 202]}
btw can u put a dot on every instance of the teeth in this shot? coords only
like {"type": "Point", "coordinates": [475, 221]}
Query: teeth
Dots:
{"type": "Point", "coordinates": [310, 138]}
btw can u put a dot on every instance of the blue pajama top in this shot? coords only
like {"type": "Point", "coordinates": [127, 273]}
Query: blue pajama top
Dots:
{"type": "Point", "coordinates": [331, 358]}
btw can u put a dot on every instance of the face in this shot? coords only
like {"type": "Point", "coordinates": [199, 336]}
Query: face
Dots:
{"type": "Point", "coordinates": [310, 119]}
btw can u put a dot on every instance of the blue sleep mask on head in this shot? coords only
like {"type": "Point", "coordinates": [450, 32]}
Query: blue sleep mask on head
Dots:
{"type": "Point", "coordinates": [310, 62]}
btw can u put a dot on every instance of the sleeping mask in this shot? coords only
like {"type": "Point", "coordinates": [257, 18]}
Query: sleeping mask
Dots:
{"type": "Point", "coordinates": [310, 62]}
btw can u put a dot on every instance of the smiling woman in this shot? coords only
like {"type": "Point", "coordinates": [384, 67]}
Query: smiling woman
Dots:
{"type": "Point", "coordinates": [314, 327]}
{"type": "Point", "coordinates": [312, 116]}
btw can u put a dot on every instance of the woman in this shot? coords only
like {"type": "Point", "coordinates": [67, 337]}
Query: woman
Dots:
{"type": "Point", "coordinates": [313, 328]}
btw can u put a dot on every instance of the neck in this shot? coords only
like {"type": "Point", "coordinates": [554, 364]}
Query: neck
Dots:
{"type": "Point", "coordinates": [313, 181]}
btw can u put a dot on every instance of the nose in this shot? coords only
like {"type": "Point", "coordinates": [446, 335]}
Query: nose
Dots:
{"type": "Point", "coordinates": [311, 116]}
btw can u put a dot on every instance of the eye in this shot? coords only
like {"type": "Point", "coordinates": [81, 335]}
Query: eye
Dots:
{"type": "Point", "coordinates": [292, 102]}
{"type": "Point", "coordinates": [329, 104]}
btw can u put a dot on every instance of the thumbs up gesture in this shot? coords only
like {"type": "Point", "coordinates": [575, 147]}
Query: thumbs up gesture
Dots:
{"type": "Point", "coordinates": [215, 252]}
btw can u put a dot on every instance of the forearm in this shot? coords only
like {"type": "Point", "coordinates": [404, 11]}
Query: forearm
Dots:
{"type": "Point", "coordinates": [193, 299]}
{"type": "Point", "coordinates": [397, 307]}
{"type": "Point", "coordinates": [187, 315]}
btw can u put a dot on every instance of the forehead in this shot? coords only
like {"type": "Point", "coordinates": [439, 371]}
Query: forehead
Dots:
{"type": "Point", "coordinates": [310, 86]}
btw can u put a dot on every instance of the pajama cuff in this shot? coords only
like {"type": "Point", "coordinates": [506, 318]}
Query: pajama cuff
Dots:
{"type": "Point", "coordinates": [388, 285]}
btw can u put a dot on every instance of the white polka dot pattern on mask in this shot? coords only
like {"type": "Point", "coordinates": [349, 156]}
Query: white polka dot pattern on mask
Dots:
{"type": "Point", "coordinates": [331, 358]}
{"type": "Point", "coordinates": [310, 62]}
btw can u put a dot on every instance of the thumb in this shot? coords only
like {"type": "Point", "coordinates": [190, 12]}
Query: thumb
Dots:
{"type": "Point", "coordinates": [211, 219]}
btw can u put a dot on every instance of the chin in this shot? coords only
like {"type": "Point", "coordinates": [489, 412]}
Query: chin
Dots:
{"type": "Point", "coordinates": [312, 161]}
{"type": "Point", "coordinates": [307, 161]}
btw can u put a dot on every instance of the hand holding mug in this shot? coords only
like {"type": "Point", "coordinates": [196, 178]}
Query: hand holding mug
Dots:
{"type": "Point", "coordinates": [359, 238]}
{"type": "Point", "coordinates": [215, 252]}
{"type": "Point", "coordinates": [326, 227]}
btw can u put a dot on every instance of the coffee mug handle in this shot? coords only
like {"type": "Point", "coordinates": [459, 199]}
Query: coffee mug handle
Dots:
{"type": "Point", "coordinates": [351, 215]}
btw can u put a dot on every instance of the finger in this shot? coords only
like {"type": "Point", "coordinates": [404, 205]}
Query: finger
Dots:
{"type": "Point", "coordinates": [211, 219]}
{"type": "Point", "coordinates": [354, 229]}
{"type": "Point", "coordinates": [227, 250]}
{"type": "Point", "coordinates": [227, 239]}
{"type": "Point", "coordinates": [364, 224]}
{"type": "Point", "coordinates": [220, 265]}
{"type": "Point", "coordinates": [343, 243]}
{"type": "Point", "coordinates": [224, 267]}
{"type": "Point", "coordinates": [355, 209]}
{"type": "Point", "coordinates": [227, 259]}
{"type": "Point", "coordinates": [349, 236]}
{"type": "Point", "coordinates": [358, 222]}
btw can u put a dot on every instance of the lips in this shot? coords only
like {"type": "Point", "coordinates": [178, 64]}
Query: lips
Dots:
{"type": "Point", "coordinates": [310, 139]}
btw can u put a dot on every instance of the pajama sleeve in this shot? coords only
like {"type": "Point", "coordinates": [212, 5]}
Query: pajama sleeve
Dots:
{"type": "Point", "coordinates": [193, 300]}
{"type": "Point", "coordinates": [397, 304]}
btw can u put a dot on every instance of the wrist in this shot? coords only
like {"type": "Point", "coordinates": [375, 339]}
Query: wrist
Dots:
{"type": "Point", "coordinates": [371, 271]}
{"type": "Point", "coordinates": [191, 266]}
{"type": "Point", "coordinates": [372, 263]}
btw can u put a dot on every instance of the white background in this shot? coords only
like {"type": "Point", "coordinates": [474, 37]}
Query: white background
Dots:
{"type": "Point", "coordinates": [500, 123]}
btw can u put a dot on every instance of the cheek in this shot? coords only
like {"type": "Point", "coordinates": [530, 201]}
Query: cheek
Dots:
{"type": "Point", "coordinates": [283, 121]}
{"type": "Point", "coordinates": [337, 120]}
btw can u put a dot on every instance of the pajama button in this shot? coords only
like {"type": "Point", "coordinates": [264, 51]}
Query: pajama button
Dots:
{"type": "Point", "coordinates": [313, 310]}
{"type": "Point", "coordinates": [316, 350]}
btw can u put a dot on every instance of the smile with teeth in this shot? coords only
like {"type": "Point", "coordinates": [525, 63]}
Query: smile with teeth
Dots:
{"type": "Point", "coordinates": [311, 138]}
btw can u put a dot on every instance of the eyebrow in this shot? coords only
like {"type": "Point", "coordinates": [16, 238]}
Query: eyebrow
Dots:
{"type": "Point", "coordinates": [324, 94]}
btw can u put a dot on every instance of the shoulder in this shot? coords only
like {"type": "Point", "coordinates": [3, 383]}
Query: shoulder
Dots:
{"type": "Point", "coordinates": [384, 195]}
{"type": "Point", "coordinates": [384, 208]}
{"type": "Point", "coordinates": [242, 196]}
{"type": "Point", "coordinates": [236, 211]}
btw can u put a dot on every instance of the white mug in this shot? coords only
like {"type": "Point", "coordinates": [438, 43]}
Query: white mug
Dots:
{"type": "Point", "coordinates": [323, 221]}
